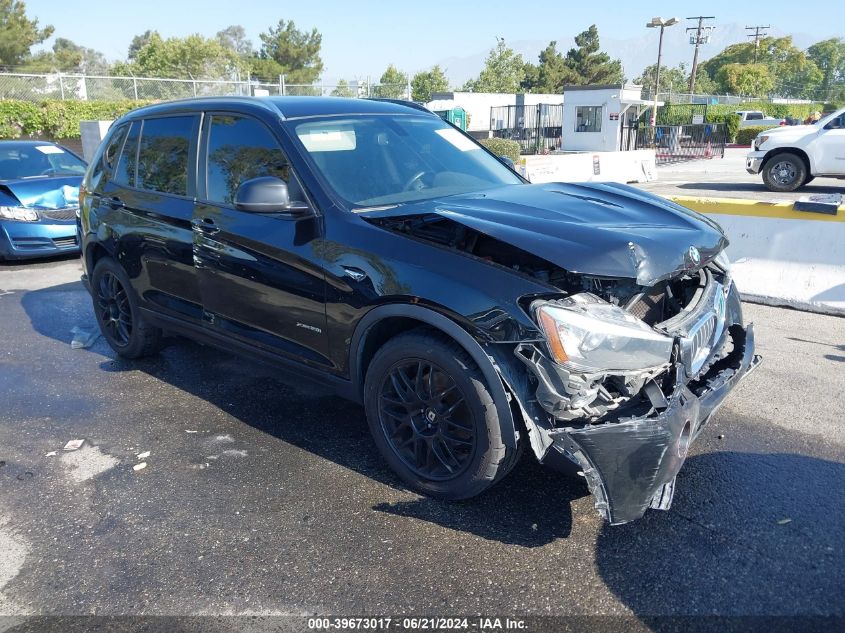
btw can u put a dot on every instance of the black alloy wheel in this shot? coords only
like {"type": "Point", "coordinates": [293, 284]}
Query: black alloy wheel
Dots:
{"type": "Point", "coordinates": [115, 313]}
{"type": "Point", "coordinates": [425, 417]}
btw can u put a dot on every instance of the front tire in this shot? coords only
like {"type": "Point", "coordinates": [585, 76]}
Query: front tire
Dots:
{"type": "Point", "coordinates": [433, 418]}
{"type": "Point", "coordinates": [117, 313]}
{"type": "Point", "coordinates": [784, 172]}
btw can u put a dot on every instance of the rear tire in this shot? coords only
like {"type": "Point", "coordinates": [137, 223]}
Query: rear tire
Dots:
{"type": "Point", "coordinates": [433, 418]}
{"type": "Point", "coordinates": [784, 172]}
{"type": "Point", "coordinates": [808, 179]}
{"type": "Point", "coordinates": [117, 313]}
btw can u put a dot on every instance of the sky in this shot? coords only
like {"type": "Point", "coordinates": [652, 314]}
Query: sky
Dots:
{"type": "Point", "coordinates": [360, 37]}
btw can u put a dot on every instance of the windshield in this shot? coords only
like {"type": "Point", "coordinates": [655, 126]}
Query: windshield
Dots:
{"type": "Point", "coordinates": [391, 159]}
{"type": "Point", "coordinates": [31, 161]}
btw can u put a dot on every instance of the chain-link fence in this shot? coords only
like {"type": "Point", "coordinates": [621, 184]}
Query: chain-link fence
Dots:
{"type": "Point", "coordinates": [37, 87]}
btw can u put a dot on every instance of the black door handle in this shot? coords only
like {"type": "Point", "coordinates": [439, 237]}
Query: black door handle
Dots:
{"type": "Point", "coordinates": [205, 225]}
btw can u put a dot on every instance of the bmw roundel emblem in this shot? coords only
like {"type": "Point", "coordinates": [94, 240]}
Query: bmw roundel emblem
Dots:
{"type": "Point", "coordinates": [694, 255]}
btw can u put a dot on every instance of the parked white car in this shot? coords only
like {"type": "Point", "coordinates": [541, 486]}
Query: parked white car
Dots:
{"type": "Point", "coordinates": [790, 157]}
{"type": "Point", "coordinates": [754, 118]}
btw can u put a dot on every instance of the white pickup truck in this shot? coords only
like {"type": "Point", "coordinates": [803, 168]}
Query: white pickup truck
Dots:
{"type": "Point", "coordinates": [753, 118]}
{"type": "Point", "coordinates": [790, 157]}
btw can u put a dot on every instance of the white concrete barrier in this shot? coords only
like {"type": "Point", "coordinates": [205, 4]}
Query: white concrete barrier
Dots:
{"type": "Point", "coordinates": [633, 166]}
{"type": "Point", "coordinates": [92, 132]}
{"type": "Point", "coordinates": [781, 256]}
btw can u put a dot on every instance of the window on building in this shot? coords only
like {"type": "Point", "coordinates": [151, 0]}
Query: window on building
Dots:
{"type": "Point", "coordinates": [588, 118]}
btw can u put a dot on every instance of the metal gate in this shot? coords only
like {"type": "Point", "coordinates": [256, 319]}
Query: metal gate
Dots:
{"type": "Point", "coordinates": [676, 143]}
{"type": "Point", "coordinates": [537, 128]}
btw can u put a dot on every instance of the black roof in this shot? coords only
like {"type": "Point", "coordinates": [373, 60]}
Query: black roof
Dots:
{"type": "Point", "coordinates": [287, 107]}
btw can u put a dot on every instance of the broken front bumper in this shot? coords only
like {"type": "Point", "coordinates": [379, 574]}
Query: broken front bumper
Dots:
{"type": "Point", "coordinates": [631, 465]}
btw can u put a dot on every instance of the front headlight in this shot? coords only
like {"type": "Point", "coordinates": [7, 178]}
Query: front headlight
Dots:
{"type": "Point", "coordinates": [589, 334]}
{"type": "Point", "coordinates": [21, 214]}
{"type": "Point", "coordinates": [761, 138]}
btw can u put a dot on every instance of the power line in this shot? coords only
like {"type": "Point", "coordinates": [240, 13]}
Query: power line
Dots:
{"type": "Point", "coordinates": [702, 36]}
{"type": "Point", "coordinates": [759, 31]}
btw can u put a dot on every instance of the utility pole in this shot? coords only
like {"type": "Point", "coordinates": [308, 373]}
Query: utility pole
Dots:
{"type": "Point", "coordinates": [759, 31]}
{"type": "Point", "coordinates": [702, 36]}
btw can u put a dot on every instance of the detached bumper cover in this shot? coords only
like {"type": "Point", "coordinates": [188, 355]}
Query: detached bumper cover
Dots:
{"type": "Point", "coordinates": [631, 465]}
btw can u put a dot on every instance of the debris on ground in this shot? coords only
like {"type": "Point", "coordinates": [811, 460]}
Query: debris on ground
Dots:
{"type": "Point", "coordinates": [143, 455]}
{"type": "Point", "coordinates": [784, 521]}
{"type": "Point", "coordinates": [74, 445]}
{"type": "Point", "coordinates": [721, 436]}
{"type": "Point", "coordinates": [190, 431]}
{"type": "Point", "coordinates": [51, 454]}
{"type": "Point", "coordinates": [83, 338]}
{"type": "Point", "coordinates": [140, 466]}
{"type": "Point", "coordinates": [26, 475]}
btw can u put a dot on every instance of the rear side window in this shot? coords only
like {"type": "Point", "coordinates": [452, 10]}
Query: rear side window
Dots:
{"type": "Point", "coordinates": [124, 171]}
{"type": "Point", "coordinates": [163, 154]}
{"type": "Point", "coordinates": [110, 156]}
{"type": "Point", "coordinates": [240, 149]}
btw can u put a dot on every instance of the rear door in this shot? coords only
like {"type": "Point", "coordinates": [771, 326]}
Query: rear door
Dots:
{"type": "Point", "coordinates": [151, 200]}
{"type": "Point", "coordinates": [260, 274]}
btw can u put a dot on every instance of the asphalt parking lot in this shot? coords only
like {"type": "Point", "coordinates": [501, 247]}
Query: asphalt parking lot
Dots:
{"type": "Point", "coordinates": [262, 496]}
{"type": "Point", "coordinates": [726, 178]}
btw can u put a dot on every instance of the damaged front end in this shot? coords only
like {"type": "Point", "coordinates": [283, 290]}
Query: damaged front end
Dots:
{"type": "Point", "coordinates": [623, 384]}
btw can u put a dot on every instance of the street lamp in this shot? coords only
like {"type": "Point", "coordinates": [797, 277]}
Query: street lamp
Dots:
{"type": "Point", "coordinates": [658, 22]}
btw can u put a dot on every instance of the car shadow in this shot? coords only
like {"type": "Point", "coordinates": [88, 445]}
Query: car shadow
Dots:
{"type": "Point", "coordinates": [309, 416]}
{"type": "Point", "coordinates": [755, 187]}
{"type": "Point", "coordinates": [748, 534]}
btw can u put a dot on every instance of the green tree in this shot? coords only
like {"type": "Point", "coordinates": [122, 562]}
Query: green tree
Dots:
{"type": "Point", "coordinates": [588, 64]}
{"type": "Point", "coordinates": [234, 38]}
{"type": "Point", "coordinates": [551, 74]}
{"type": "Point", "coordinates": [672, 79]}
{"type": "Point", "coordinates": [751, 80]}
{"type": "Point", "coordinates": [392, 84]}
{"type": "Point", "coordinates": [296, 54]}
{"type": "Point", "coordinates": [193, 56]}
{"type": "Point", "coordinates": [424, 83]}
{"type": "Point", "coordinates": [829, 58]}
{"type": "Point", "coordinates": [792, 72]}
{"type": "Point", "coordinates": [342, 89]}
{"type": "Point", "coordinates": [67, 56]}
{"type": "Point", "coordinates": [18, 33]}
{"type": "Point", "coordinates": [504, 70]}
{"type": "Point", "coordinates": [138, 42]}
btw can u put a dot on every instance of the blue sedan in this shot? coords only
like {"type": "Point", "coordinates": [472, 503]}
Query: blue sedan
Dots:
{"type": "Point", "coordinates": [39, 198]}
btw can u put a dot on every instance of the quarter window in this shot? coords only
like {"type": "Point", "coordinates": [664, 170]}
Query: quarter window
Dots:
{"type": "Point", "coordinates": [240, 149]}
{"type": "Point", "coordinates": [588, 118]}
{"type": "Point", "coordinates": [163, 154]}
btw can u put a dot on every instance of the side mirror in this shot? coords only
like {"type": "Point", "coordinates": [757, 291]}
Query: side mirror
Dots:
{"type": "Point", "coordinates": [267, 194]}
{"type": "Point", "coordinates": [507, 161]}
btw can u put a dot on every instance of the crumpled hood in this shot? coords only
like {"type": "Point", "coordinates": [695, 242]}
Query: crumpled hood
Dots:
{"type": "Point", "coordinates": [44, 193]}
{"type": "Point", "coordinates": [601, 229]}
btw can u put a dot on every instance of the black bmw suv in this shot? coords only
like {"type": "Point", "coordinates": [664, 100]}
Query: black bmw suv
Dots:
{"type": "Point", "coordinates": [374, 247]}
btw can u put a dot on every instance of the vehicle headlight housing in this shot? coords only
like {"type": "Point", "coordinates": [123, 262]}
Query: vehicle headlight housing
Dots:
{"type": "Point", "coordinates": [21, 214]}
{"type": "Point", "coordinates": [761, 138]}
{"type": "Point", "coordinates": [589, 334]}
{"type": "Point", "coordinates": [723, 262]}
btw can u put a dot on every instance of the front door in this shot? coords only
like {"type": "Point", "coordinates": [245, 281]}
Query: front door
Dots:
{"type": "Point", "coordinates": [260, 279]}
{"type": "Point", "coordinates": [830, 148]}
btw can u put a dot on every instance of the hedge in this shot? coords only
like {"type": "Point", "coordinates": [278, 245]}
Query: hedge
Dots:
{"type": "Point", "coordinates": [748, 134]}
{"type": "Point", "coordinates": [730, 120]}
{"type": "Point", "coordinates": [56, 119]}
{"type": "Point", "coordinates": [502, 147]}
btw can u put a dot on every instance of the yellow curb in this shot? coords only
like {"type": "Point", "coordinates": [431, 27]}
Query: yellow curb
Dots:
{"type": "Point", "coordinates": [754, 208]}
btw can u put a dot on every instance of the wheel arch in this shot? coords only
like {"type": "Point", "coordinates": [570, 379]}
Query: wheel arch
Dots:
{"type": "Point", "coordinates": [800, 153]}
{"type": "Point", "coordinates": [383, 322]}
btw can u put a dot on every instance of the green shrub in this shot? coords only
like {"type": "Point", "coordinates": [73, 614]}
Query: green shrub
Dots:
{"type": "Point", "coordinates": [730, 120]}
{"type": "Point", "coordinates": [57, 119]}
{"type": "Point", "coordinates": [748, 134]}
{"type": "Point", "coordinates": [502, 147]}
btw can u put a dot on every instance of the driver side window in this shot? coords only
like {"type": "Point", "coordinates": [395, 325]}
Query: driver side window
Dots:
{"type": "Point", "coordinates": [240, 149]}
